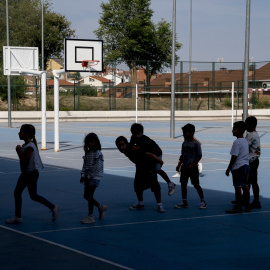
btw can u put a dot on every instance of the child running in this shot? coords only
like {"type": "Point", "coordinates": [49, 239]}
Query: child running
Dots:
{"type": "Point", "coordinates": [239, 166]}
{"type": "Point", "coordinates": [140, 140]}
{"type": "Point", "coordinates": [91, 174]}
{"type": "Point", "coordinates": [191, 154]}
{"type": "Point", "coordinates": [146, 175]}
{"type": "Point", "coordinates": [253, 140]}
{"type": "Point", "coordinates": [30, 163]}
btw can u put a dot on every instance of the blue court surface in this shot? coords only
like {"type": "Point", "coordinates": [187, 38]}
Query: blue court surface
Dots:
{"type": "Point", "coordinates": [188, 238]}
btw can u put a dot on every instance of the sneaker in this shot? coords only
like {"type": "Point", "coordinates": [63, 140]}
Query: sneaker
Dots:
{"type": "Point", "coordinates": [203, 205]}
{"type": "Point", "coordinates": [55, 213]}
{"type": "Point", "coordinates": [14, 220]}
{"type": "Point", "coordinates": [102, 209]}
{"type": "Point", "coordinates": [88, 220]}
{"type": "Point", "coordinates": [136, 206]}
{"type": "Point", "coordinates": [172, 187]}
{"type": "Point", "coordinates": [234, 210]}
{"type": "Point", "coordinates": [255, 205]}
{"type": "Point", "coordinates": [161, 209]}
{"type": "Point", "coordinates": [181, 205]}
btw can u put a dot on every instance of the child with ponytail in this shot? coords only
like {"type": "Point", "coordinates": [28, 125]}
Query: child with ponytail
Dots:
{"type": "Point", "coordinates": [30, 163]}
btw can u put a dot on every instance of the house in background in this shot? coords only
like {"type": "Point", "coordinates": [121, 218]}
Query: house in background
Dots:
{"type": "Point", "coordinates": [100, 83]}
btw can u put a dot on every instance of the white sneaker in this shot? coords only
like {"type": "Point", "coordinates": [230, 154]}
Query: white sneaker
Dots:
{"type": "Point", "coordinates": [102, 211]}
{"type": "Point", "coordinates": [200, 167]}
{"type": "Point", "coordinates": [203, 205]}
{"type": "Point", "coordinates": [161, 209]}
{"type": "Point", "coordinates": [55, 213]}
{"type": "Point", "coordinates": [172, 187]}
{"type": "Point", "coordinates": [88, 219]}
{"type": "Point", "coordinates": [177, 175]}
{"type": "Point", "coordinates": [14, 220]}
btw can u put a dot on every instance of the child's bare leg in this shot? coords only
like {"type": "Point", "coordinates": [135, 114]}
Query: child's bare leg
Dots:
{"type": "Point", "coordinates": [164, 176]}
{"type": "Point", "coordinates": [158, 196]}
{"type": "Point", "coordinates": [238, 196]}
{"type": "Point", "coordinates": [256, 192]}
{"type": "Point", "coordinates": [200, 191]}
{"type": "Point", "coordinates": [184, 191]}
{"type": "Point", "coordinates": [246, 195]}
{"type": "Point", "coordinates": [139, 195]}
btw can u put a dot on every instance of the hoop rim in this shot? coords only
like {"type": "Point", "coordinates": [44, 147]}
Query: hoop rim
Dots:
{"type": "Point", "coordinates": [89, 63]}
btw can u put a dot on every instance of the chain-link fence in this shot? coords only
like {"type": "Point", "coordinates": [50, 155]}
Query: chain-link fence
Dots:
{"type": "Point", "coordinates": [203, 85]}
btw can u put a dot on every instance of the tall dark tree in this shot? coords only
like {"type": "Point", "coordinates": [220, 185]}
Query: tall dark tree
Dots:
{"type": "Point", "coordinates": [131, 37]}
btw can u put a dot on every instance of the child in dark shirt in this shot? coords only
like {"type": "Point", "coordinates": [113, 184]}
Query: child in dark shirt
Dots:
{"type": "Point", "coordinates": [138, 139]}
{"type": "Point", "coordinates": [146, 176]}
{"type": "Point", "coordinates": [191, 154]}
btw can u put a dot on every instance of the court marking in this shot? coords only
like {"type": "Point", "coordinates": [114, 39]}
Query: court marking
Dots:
{"type": "Point", "coordinates": [146, 222]}
{"type": "Point", "coordinates": [67, 248]}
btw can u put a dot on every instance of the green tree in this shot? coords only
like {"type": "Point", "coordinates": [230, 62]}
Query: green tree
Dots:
{"type": "Point", "coordinates": [131, 37]}
{"type": "Point", "coordinates": [25, 28]}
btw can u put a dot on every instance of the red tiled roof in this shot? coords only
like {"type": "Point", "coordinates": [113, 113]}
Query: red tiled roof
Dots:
{"type": "Point", "coordinates": [61, 82]}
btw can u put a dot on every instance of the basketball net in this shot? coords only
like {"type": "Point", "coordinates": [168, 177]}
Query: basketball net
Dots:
{"type": "Point", "coordinates": [88, 64]}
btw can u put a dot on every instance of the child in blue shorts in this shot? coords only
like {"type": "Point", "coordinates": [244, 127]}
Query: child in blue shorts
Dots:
{"type": "Point", "coordinates": [239, 166]}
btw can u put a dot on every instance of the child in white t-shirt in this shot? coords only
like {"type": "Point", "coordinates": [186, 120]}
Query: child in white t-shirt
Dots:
{"type": "Point", "coordinates": [253, 140]}
{"type": "Point", "coordinates": [239, 166]}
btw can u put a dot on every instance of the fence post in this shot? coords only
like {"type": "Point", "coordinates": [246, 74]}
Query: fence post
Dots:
{"type": "Point", "coordinates": [148, 87]}
{"type": "Point", "coordinates": [213, 83]}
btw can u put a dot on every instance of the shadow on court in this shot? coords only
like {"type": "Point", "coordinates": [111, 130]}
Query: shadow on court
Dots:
{"type": "Point", "coordinates": [178, 239]}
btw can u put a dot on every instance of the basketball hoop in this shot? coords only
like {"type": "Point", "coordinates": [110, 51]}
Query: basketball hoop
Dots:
{"type": "Point", "coordinates": [87, 64]}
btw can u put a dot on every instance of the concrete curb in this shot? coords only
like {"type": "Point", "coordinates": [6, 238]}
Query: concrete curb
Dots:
{"type": "Point", "coordinates": [105, 116]}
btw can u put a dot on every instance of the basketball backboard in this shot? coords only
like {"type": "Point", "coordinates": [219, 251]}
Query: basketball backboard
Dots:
{"type": "Point", "coordinates": [78, 50]}
{"type": "Point", "coordinates": [19, 58]}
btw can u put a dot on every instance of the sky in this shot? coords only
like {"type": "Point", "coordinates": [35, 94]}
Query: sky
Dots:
{"type": "Point", "coordinates": [218, 26]}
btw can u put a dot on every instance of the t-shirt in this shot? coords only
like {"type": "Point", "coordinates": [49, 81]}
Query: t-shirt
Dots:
{"type": "Point", "coordinates": [147, 144]}
{"type": "Point", "coordinates": [35, 162]}
{"type": "Point", "coordinates": [240, 149]}
{"type": "Point", "coordinates": [190, 151]}
{"type": "Point", "coordinates": [93, 165]}
{"type": "Point", "coordinates": [253, 140]}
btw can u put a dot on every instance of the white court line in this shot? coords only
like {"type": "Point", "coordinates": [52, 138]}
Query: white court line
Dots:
{"type": "Point", "coordinates": [67, 248]}
{"type": "Point", "coordinates": [144, 222]}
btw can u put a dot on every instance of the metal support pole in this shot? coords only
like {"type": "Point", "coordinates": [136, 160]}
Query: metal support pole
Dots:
{"type": "Point", "coordinates": [8, 76]}
{"type": "Point", "coordinates": [136, 118]}
{"type": "Point", "coordinates": [172, 122]}
{"type": "Point", "coordinates": [246, 66]}
{"type": "Point", "coordinates": [43, 76]}
{"type": "Point", "coordinates": [42, 37]}
{"type": "Point", "coordinates": [43, 111]}
{"type": "Point", "coordinates": [190, 57]}
{"type": "Point", "coordinates": [56, 74]}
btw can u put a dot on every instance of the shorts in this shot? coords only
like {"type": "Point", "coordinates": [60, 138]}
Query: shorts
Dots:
{"type": "Point", "coordinates": [253, 172]}
{"type": "Point", "coordinates": [158, 165]}
{"type": "Point", "coordinates": [146, 179]}
{"type": "Point", "coordinates": [193, 174]}
{"type": "Point", "coordinates": [240, 176]}
{"type": "Point", "coordinates": [92, 182]}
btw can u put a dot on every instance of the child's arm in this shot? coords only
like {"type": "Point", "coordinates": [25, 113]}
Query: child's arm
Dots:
{"type": "Point", "coordinates": [82, 179]}
{"type": "Point", "coordinates": [24, 157]}
{"type": "Point", "coordinates": [233, 159]}
{"type": "Point", "coordinates": [178, 167]}
{"type": "Point", "coordinates": [154, 157]}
